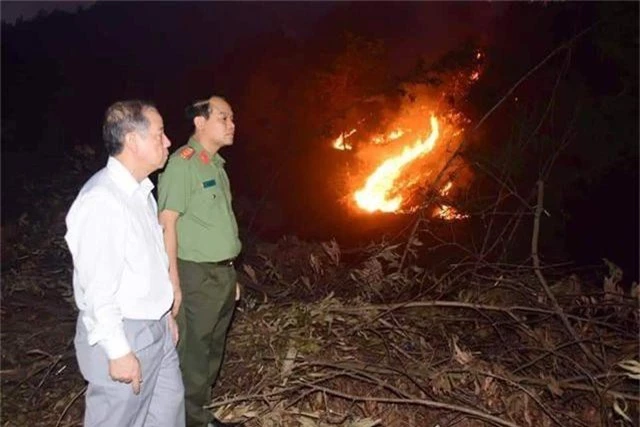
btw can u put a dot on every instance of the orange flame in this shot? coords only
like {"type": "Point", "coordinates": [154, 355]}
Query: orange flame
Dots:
{"type": "Point", "coordinates": [393, 135]}
{"type": "Point", "coordinates": [445, 211]}
{"type": "Point", "coordinates": [340, 144]}
{"type": "Point", "coordinates": [446, 188]}
{"type": "Point", "coordinates": [394, 180]}
{"type": "Point", "coordinates": [449, 213]}
{"type": "Point", "coordinates": [376, 193]}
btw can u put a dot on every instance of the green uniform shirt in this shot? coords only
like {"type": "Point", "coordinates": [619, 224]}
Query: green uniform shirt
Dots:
{"type": "Point", "coordinates": [195, 185]}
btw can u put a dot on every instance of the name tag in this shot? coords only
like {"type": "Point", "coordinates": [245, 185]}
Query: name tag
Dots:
{"type": "Point", "coordinates": [210, 183]}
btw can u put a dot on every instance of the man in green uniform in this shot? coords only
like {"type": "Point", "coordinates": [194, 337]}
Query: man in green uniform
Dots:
{"type": "Point", "coordinates": [201, 238]}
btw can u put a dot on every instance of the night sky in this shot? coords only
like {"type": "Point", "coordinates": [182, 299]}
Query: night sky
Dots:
{"type": "Point", "coordinates": [62, 68]}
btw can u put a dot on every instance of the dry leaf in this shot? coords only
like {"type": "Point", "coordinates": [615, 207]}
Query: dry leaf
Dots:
{"type": "Point", "coordinates": [632, 366]}
{"type": "Point", "coordinates": [621, 411]}
{"type": "Point", "coordinates": [554, 387]}
{"type": "Point", "coordinates": [332, 249]}
{"type": "Point", "coordinates": [287, 364]}
{"type": "Point", "coordinates": [462, 357]}
{"type": "Point", "coordinates": [366, 422]}
{"type": "Point", "coordinates": [250, 272]}
{"type": "Point", "coordinates": [316, 264]}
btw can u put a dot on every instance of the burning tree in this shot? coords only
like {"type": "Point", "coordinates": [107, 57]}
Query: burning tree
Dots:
{"type": "Point", "coordinates": [414, 147]}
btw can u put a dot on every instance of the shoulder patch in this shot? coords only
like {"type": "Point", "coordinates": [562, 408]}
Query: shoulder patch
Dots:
{"type": "Point", "coordinates": [204, 157]}
{"type": "Point", "coordinates": [187, 152]}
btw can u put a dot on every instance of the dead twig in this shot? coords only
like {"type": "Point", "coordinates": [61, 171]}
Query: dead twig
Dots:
{"type": "Point", "coordinates": [66, 408]}
{"type": "Point", "coordinates": [52, 365]}
{"type": "Point", "coordinates": [543, 282]}
{"type": "Point", "coordinates": [422, 402]}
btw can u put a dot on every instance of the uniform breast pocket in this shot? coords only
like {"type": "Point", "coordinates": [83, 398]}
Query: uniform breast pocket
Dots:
{"type": "Point", "coordinates": [204, 204]}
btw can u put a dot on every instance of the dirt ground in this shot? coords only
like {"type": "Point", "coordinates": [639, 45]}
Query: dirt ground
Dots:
{"type": "Point", "coordinates": [318, 344]}
{"type": "Point", "coordinates": [41, 385]}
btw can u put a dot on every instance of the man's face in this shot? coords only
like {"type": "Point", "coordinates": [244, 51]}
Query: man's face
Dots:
{"type": "Point", "coordinates": [219, 127]}
{"type": "Point", "coordinates": [153, 145]}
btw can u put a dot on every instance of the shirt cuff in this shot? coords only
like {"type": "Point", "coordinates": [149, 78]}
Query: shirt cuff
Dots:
{"type": "Point", "coordinates": [116, 345]}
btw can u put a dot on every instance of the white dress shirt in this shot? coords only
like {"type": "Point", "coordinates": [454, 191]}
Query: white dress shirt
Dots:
{"type": "Point", "coordinates": [121, 268]}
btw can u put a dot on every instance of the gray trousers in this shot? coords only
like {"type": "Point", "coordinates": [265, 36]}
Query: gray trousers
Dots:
{"type": "Point", "coordinates": [111, 403]}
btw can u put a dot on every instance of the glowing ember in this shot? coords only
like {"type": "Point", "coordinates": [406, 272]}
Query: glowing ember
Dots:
{"type": "Point", "coordinates": [393, 135]}
{"type": "Point", "coordinates": [340, 144]}
{"type": "Point", "coordinates": [449, 213]}
{"type": "Point", "coordinates": [446, 188]}
{"type": "Point", "coordinates": [445, 211]}
{"type": "Point", "coordinates": [376, 193]}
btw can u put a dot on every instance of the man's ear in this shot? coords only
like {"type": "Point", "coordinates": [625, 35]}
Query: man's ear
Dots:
{"type": "Point", "coordinates": [198, 122]}
{"type": "Point", "coordinates": [130, 141]}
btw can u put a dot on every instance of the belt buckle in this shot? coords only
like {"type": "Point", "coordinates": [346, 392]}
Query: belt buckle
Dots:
{"type": "Point", "coordinates": [226, 262]}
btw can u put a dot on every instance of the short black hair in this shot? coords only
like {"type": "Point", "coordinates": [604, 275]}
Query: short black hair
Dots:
{"type": "Point", "coordinates": [121, 118]}
{"type": "Point", "coordinates": [198, 108]}
{"type": "Point", "coordinates": [201, 108]}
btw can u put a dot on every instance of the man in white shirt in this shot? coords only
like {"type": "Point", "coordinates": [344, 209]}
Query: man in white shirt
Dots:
{"type": "Point", "coordinates": [125, 338]}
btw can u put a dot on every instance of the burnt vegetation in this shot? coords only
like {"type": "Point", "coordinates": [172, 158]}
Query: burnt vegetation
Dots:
{"type": "Point", "coordinates": [524, 313]}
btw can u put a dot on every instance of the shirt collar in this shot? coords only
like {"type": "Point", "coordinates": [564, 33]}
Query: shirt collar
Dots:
{"type": "Point", "coordinates": [124, 180]}
{"type": "Point", "coordinates": [193, 143]}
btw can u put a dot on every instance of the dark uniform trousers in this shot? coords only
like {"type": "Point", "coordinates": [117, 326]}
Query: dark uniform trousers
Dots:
{"type": "Point", "coordinates": [208, 301]}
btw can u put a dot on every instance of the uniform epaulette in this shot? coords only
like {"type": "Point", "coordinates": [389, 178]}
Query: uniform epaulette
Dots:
{"type": "Point", "coordinates": [187, 152]}
{"type": "Point", "coordinates": [204, 157]}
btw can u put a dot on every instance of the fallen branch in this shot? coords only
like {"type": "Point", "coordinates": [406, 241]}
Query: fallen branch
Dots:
{"type": "Point", "coordinates": [536, 266]}
{"type": "Point", "coordinates": [66, 408]}
{"type": "Point", "coordinates": [422, 402]}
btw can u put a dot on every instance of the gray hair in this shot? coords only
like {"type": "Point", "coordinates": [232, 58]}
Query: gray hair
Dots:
{"type": "Point", "coordinates": [120, 119]}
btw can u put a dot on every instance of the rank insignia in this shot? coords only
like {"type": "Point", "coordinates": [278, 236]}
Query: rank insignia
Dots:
{"type": "Point", "coordinates": [187, 152]}
{"type": "Point", "coordinates": [204, 157]}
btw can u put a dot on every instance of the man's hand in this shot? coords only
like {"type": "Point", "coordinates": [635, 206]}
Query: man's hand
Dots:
{"type": "Point", "coordinates": [177, 292]}
{"type": "Point", "coordinates": [126, 369]}
{"type": "Point", "coordinates": [237, 291]}
{"type": "Point", "coordinates": [173, 328]}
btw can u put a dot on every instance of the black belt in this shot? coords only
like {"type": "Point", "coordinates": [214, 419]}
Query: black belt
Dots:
{"type": "Point", "coordinates": [224, 263]}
